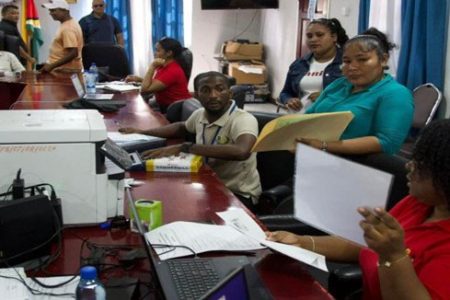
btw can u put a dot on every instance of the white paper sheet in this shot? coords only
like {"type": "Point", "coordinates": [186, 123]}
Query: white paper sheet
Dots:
{"type": "Point", "coordinates": [308, 257]}
{"type": "Point", "coordinates": [240, 220]}
{"type": "Point", "coordinates": [132, 137]}
{"type": "Point", "coordinates": [12, 289]}
{"type": "Point", "coordinates": [329, 189]}
{"type": "Point", "coordinates": [199, 237]}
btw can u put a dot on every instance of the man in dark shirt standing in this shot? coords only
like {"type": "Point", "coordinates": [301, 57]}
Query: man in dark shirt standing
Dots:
{"type": "Point", "coordinates": [10, 17]}
{"type": "Point", "coordinates": [101, 27]}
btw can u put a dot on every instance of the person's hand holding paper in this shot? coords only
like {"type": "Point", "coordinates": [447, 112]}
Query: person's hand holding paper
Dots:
{"type": "Point", "coordinates": [282, 133]}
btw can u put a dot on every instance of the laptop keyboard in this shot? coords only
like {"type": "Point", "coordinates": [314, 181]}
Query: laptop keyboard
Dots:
{"type": "Point", "coordinates": [193, 277]}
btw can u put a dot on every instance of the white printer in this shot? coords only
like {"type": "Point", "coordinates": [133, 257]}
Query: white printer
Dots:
{"type": "Point", "coordinates": [61, 148]}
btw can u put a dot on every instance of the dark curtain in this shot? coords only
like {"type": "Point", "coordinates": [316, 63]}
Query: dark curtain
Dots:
{"type": "Point", "coordinates": [120, 9]}
{"type": "Point", "coordinates": [167, 17]}
{"type": "Point", "coordinates": [423, 48]}
{"type": "Point", "coordinates": [364, 11]}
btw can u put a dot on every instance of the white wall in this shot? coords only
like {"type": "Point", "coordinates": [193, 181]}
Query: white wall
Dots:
{"type": "Point", "coordinates": [279, 36]}
{"type": "Point", "coordinates": [346, 11]}
{"type": "Point", "coordinates": [210, 28]}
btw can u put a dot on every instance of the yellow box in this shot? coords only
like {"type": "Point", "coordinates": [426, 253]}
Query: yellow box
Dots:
{"type": "Point", "coordinates": [184, 163]}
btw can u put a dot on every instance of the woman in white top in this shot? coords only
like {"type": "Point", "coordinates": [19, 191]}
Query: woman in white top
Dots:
{"type": "Point", "coordinates": [309, 75]}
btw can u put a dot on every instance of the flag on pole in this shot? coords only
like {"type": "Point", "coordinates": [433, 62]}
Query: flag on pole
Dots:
{"type": "Point", "coordinates": [32, 33]}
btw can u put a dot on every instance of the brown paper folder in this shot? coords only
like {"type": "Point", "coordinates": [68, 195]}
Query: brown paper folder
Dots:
{"type": "Point", "coordinates": [281, 133]}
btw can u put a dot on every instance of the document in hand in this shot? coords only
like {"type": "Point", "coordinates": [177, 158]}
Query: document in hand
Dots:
{"type": "Point", "coordinates": [329, 189]}
{"type": "Point", "coordinates": [240, 233]}
{"type": "Point", "coordinates": [281, 133]}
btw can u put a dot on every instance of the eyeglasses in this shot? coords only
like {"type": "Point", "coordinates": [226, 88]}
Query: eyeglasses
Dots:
{"type": "Point", "coordinates": [98, 5]}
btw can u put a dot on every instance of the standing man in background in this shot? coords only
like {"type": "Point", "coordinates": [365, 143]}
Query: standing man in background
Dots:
{"type": "Point", "coordinates": [65, 50]}
{"type": "Point", "coordinates": [10, 17]}
{"type": "Point", "coordinates": [101, 27]}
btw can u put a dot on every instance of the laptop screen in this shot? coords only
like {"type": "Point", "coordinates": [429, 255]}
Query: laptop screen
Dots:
{"type": "Point", "coordinates": [77, 85]}
{"type": "Point", "coordinates": [233, 286]}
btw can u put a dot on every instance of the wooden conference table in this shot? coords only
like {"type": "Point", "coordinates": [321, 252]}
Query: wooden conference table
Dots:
{"type": "Point", "coordinates": [187, 197]}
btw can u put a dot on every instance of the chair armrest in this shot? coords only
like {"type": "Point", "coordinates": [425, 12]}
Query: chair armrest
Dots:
{"type": "Point", "coordinates": [344, 280]}
{"type": "Point", "coordinates": [288, 223]}
{"type": "Point", "coordinates": [272, 197]}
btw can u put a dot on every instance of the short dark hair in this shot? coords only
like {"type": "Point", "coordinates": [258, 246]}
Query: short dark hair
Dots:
{"type": "Point", "coordinates": [209, 74]}
{"type": "Point", "coordinates": [432, 155]}
{"type": "Point", "coordinates": [373, 39]}
{"type": "Point", "coordinates": [7, 8]}
{"type": "Point", "coordinates": [335, 27]}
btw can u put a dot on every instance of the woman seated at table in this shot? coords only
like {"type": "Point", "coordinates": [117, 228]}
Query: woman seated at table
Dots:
{"type": "Point", "coordinates": [408, 254]}
{"type": "Point", "coordinates": [165, 77]}
{"type": "Point", "coordinates": [383, 109]}
{"type": "Point", "coordinates": [309, 75]}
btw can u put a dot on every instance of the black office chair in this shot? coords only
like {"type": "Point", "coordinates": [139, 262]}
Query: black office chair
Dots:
{"type": "Point", "coordinates": [12, 44]}
{"type": "Point", "coordinates": [107, 55]}
{"type": "Point", "coordinates": [2, 40]}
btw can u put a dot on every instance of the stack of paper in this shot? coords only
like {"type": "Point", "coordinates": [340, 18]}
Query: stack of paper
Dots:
{"type": "Point", "coordinates": [241, 233]}
{"type": "Point", "coordinates": [136, 142]}
{"type": "Point", "coordinates": [118, 86]}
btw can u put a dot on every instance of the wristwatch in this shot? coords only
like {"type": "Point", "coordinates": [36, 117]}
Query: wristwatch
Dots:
{"type": "Point", "coordinates": [186, 147]}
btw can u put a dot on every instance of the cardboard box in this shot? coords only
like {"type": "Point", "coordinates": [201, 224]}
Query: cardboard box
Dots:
{"type": "Point", "coordinates": [242, 51]}
{"type": "Point", "coordinates": [248, 73]}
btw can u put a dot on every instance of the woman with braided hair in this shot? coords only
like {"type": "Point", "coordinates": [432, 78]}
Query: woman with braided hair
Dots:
{"type": "Point", "coordinates": [408, 253]}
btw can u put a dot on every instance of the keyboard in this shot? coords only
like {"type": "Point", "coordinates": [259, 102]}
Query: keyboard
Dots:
{"type": "Point", "coordinates": [193, 278]}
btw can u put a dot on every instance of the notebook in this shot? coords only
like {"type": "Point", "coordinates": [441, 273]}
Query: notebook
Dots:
{"type": "Point", "coordinates": [190, 278]}
{"type": "Point", "coordinates": [79, 88]}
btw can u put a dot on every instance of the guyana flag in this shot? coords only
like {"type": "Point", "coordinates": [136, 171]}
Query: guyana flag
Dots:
{"type": "Point", "coordinates": [31, 28]}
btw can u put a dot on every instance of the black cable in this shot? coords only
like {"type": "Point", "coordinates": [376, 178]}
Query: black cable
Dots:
{"type": "Point", "coordinates": [34, 291]}
{"type": "Point", "coordinates": [246, 28]}
{"type": "Point", "coordinates": [48, 286]}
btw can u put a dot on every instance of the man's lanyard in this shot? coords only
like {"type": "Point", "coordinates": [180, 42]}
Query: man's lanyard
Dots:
{"type": "Point", "coordinates": [213, 141]}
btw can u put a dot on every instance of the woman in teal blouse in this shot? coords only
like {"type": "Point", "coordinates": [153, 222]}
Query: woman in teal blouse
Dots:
{"type": "Point", "coordinates": [383, 109]}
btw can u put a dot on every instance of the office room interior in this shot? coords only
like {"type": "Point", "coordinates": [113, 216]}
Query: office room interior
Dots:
{"type": "Point", "coordinates": [206, 30]}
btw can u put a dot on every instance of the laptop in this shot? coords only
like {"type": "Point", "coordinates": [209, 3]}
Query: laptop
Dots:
{"type": "Point", "coordinates": [191, 278]}
{"type": "Point", "coordinates": [79, 88]}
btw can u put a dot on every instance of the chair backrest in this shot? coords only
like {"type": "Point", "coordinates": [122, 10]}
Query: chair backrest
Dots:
{"type": "Point", "coordinates": [427, 98]}
{"type": "Point", "coordinates": [274, 167]}
{"type": "Point", "coordinates": [186, 60]}
{"type": "Point", "coordinates": [2, 40]}
{"type": "Point", "coordinates": [107, 55]}
{"type": "Point", "coordinates": [391, 164]}
{"type": "Point", "coordinates": [12, 44]}
{"type": "Point", "coordinates": [182, 110]}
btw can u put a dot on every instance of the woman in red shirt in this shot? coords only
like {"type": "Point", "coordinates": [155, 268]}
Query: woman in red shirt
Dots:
{"type": "Point", "coordinates": [408, 254]}
{"type": "Point", "coordinates": [166, 76]}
